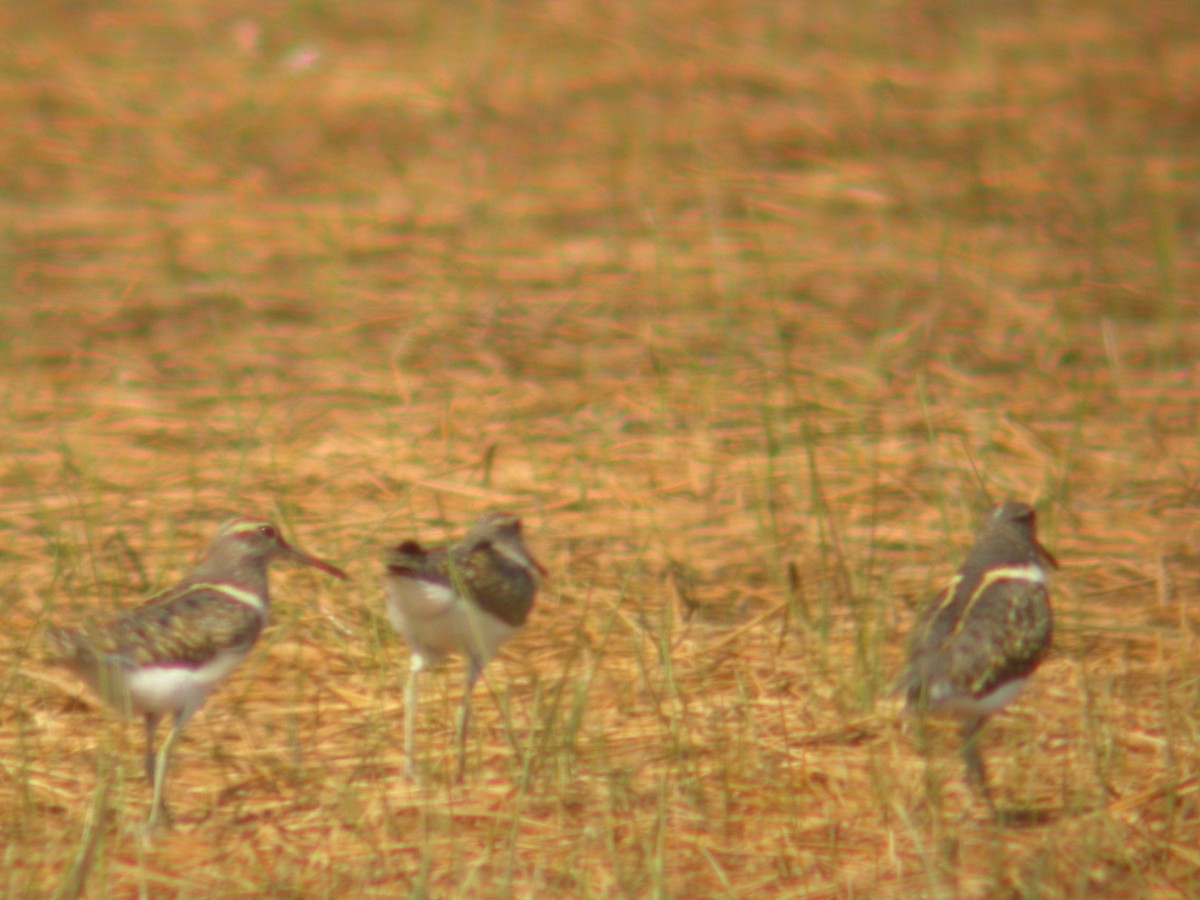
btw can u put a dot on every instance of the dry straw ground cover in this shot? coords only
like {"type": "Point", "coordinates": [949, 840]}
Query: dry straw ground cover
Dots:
{"type": "Point", "coordinates": [746, 308]}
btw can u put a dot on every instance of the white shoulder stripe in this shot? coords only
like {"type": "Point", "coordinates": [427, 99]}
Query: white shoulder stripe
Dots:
{"type": "Point", "coordinates": [1030, 572]}
{"type": "Point", "coordinates": [1021, 572]}
{"type": "Point", "coordinates": [234, 592]}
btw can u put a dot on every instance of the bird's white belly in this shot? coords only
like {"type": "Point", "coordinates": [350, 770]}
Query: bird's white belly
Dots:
{"type": "Point", "coordinates": [971, 707]}
{"type": "Point", "coordinates": [435, 621]}
{"type": "Point", "coordinates": [169, 689]}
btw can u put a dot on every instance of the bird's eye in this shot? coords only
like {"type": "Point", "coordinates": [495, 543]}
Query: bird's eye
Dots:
{"type": "Point", "coordinates": [267, 531]}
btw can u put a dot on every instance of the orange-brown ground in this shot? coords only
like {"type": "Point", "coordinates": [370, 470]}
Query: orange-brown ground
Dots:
{"type": "Point", "coordinates": [710, 293]}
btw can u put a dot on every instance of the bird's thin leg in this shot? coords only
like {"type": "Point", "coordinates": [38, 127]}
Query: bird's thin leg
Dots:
{"type": "Point", "coordinates": [410, 717]}
{"type": "Point", "coordinates": [151, 726]}
{"type": "Point", "coordinates": [464, 715]}
{"type": "Point", "coordinates": [976, 773]}
{"type": "Point", "coordinates": [158, 809]}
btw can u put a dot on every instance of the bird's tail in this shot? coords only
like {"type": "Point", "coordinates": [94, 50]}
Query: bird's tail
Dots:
{"type": "Point", "coordinates": [65, 647]}
{"type": "Point", "coordinates": [405, 559]}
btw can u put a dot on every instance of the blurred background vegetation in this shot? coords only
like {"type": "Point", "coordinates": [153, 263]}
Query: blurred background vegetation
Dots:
{"type": "Point", "coordinates": [749, 310]}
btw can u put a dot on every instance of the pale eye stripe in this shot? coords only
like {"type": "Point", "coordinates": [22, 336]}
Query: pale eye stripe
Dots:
{"type": "Point", "coordinates": [233, 592]}
{"type": "Point", "coordinates": [245, 526]}
{"type": "Point", "coordinates": [1026, 572]}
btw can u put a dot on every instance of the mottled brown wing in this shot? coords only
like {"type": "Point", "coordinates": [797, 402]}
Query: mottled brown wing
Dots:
{"type": "Point", "coordinates": [1006, 633]}
{"type": "Point", "coordinates": [472, 569]}
{"type": "Point", "coordinates": [494, 582]}
{"type": "Point", "coordinates": [188, 629]}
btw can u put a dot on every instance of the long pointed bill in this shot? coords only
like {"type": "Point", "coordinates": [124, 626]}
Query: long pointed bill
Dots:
{"type": "Point", "coordinates": [316, 563]}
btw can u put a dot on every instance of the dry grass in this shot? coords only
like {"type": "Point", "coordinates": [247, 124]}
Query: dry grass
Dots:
{"type": "Point", "coordinates": [704, 294]}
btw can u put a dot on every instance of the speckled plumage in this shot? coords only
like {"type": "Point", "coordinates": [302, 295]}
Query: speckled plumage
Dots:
{"type": "Point", "coordinates": [186, 628]}
{"type": "Point", "coordinates": [170, 653]}
{"type": "Point", "coordinates": [977, 642]}
{"type": "Point", "coordinates": [489, 567]}
{"type": "Point", "coordinates": [468, 597]}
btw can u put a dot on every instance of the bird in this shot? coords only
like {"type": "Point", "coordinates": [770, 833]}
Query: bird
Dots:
{"type": "Point", "coordinates": [465, 598]}
{"type": "Point", "coordinates": [974, 647]}
{"type": "Point", "coordinates": [168, 654]}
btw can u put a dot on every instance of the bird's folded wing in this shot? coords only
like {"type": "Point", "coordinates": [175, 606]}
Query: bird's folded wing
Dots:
{"type": "Point", "coordinates": [1002, 640]}
{"type": "Point", "coordinates": [188, 630]}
